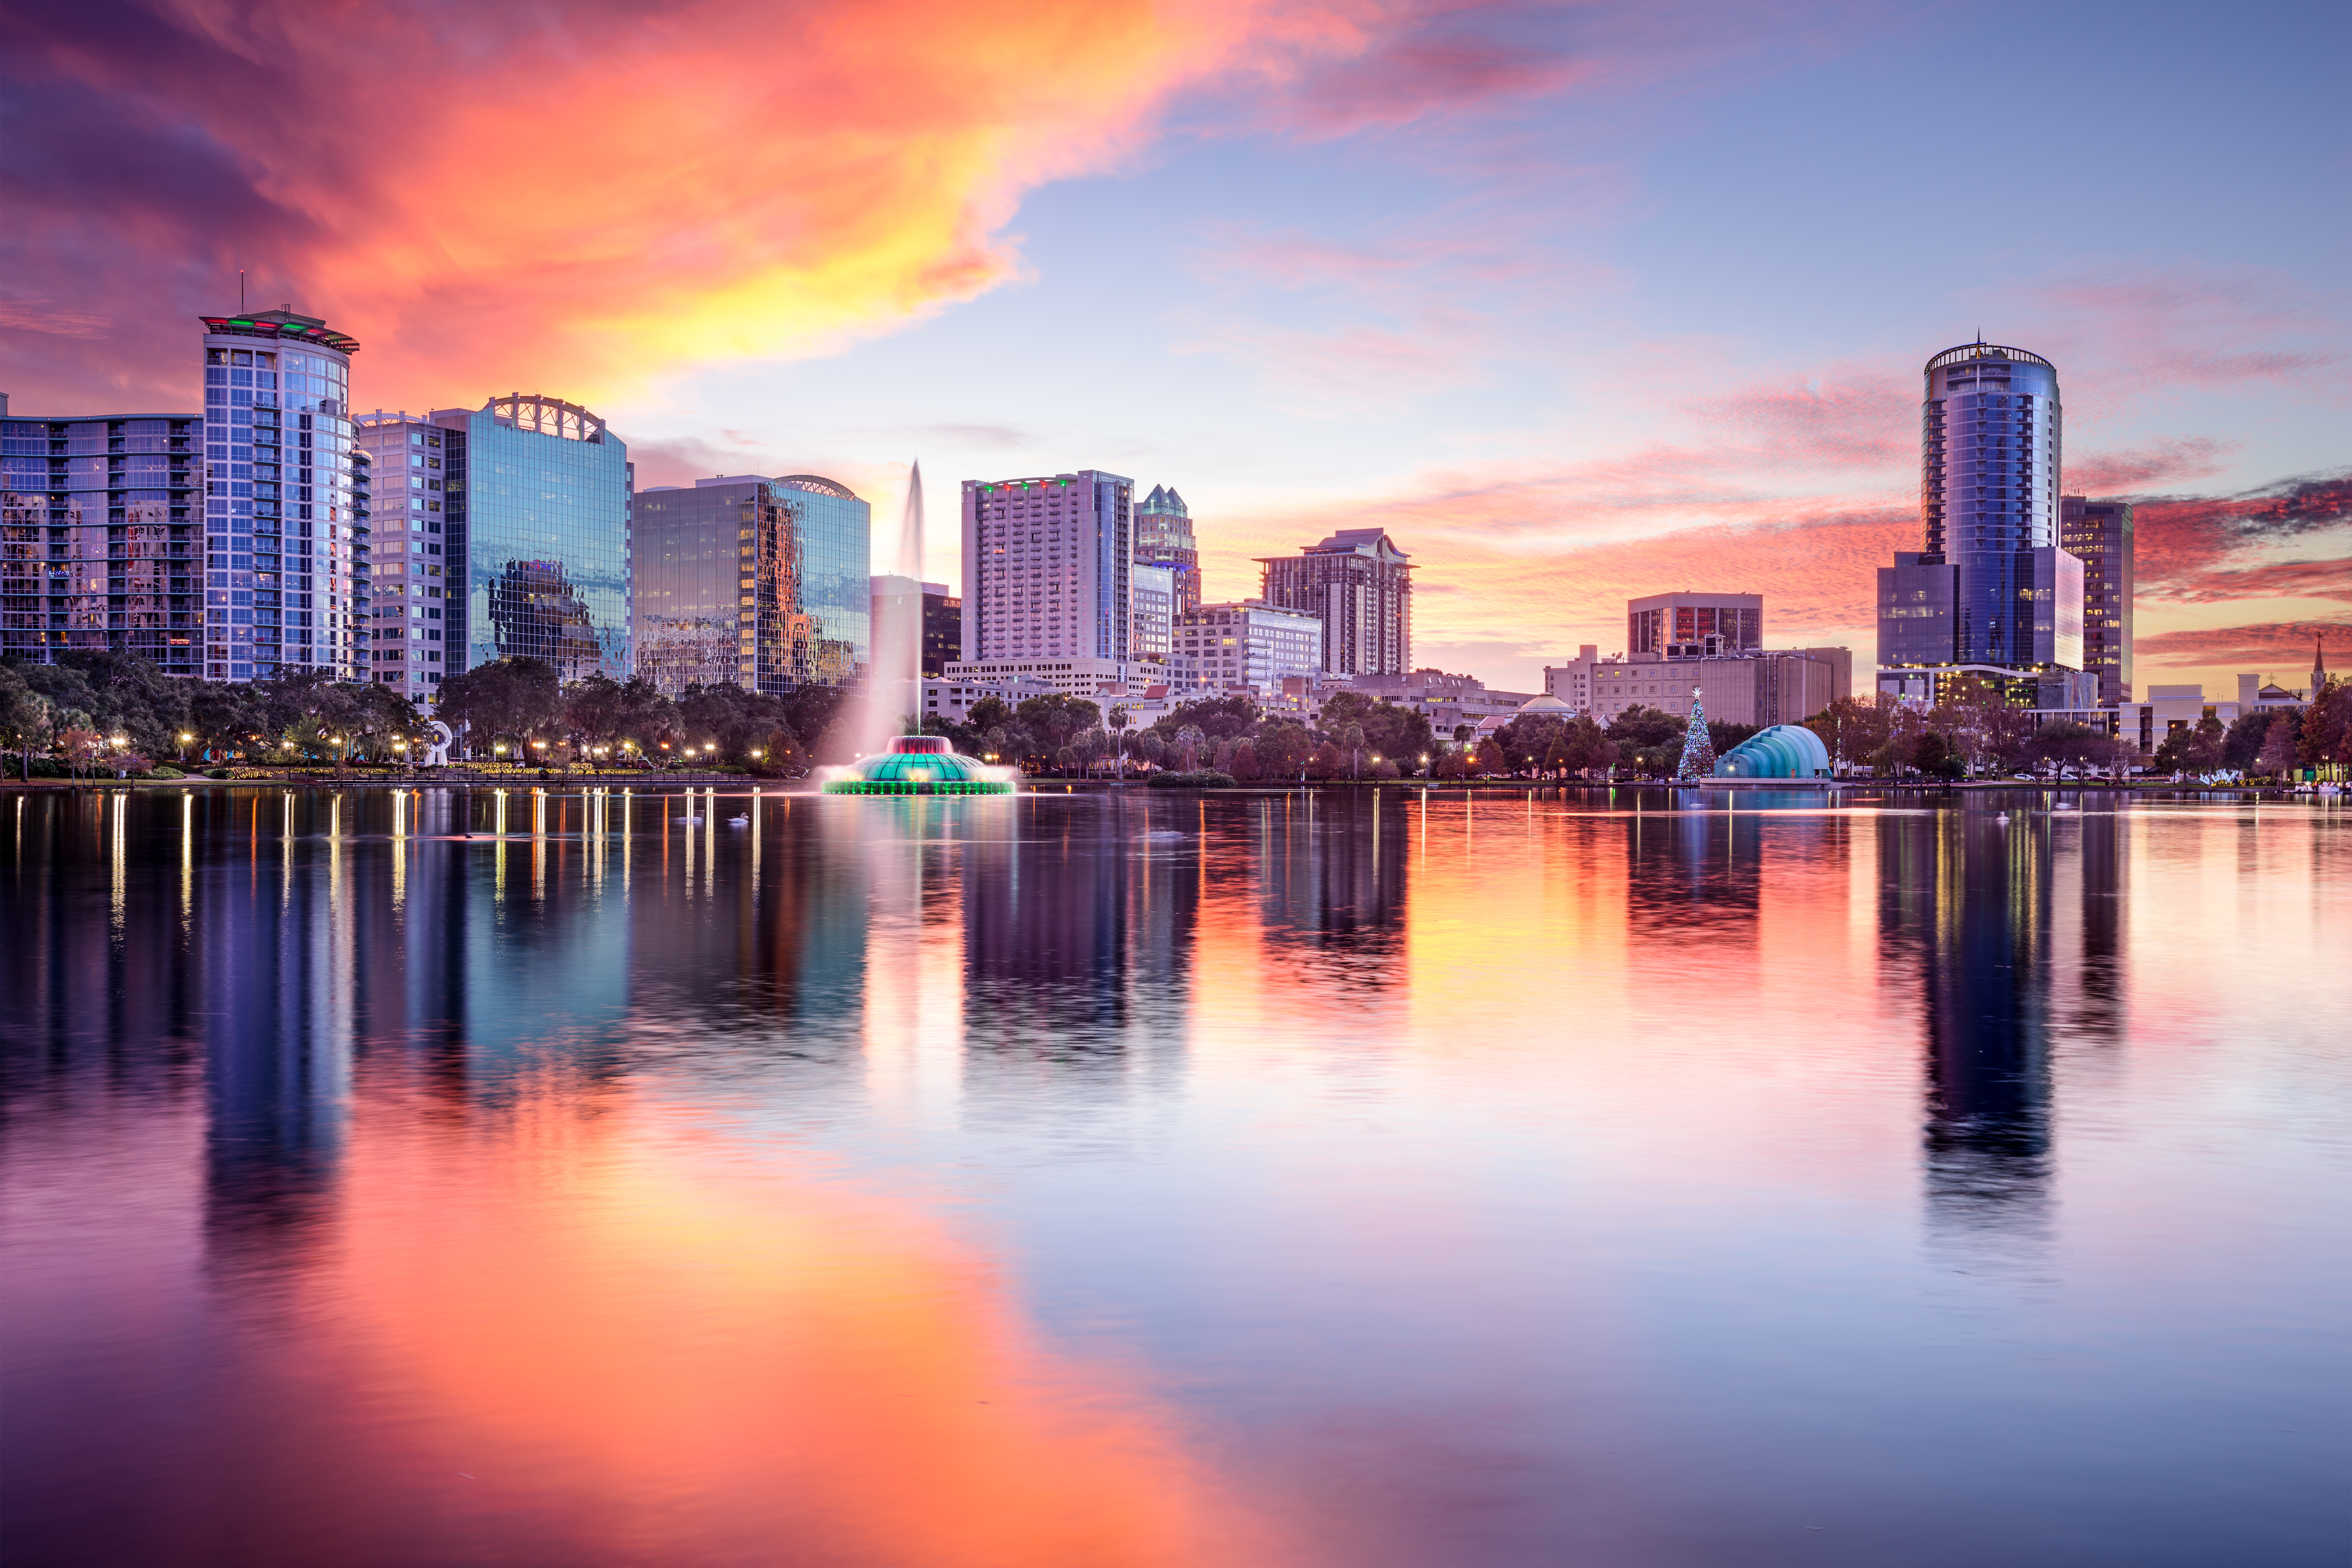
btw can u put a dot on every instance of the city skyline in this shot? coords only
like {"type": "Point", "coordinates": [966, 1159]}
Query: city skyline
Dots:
{"type": "Point", "coordinates": [1458, 274]}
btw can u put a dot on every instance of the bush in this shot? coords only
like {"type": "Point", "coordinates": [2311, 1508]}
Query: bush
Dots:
{"type": "Point", "coordinates": [1205, 778]}
{"type": "Point", "coordinates": [217, 773]}
{"type": "Point", "coordinates": [164, 771]}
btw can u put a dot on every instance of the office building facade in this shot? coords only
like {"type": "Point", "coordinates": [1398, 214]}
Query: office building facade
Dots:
{"type": "Point", "coordinates": [1246, 645]}
{"type": "Point", "coordinates": [1156, 595]}
{"type": "Point", "coordinates": [1048, 567]}
{"type": "Point", "coordinates": [740, 579]}
{"type": "Point", "coordinates": [287, 534]}
{"type": "Point", "coordinates": [1693, 625]}
{"type": "Point", "coordinates": [536, 504]}
{"type": "Point", "coordinates": [2099, 534]}
{"type": "Point", "coordinates": [1359, 586]}
{"type": "Point", "coordinates": [943, 628]}
{"type": "Point", "coordinates": [1163, 538]}
{"type": "Point", "coordinates": [103, 536]}
{"type": "Point", "coordinates": [416, 554]}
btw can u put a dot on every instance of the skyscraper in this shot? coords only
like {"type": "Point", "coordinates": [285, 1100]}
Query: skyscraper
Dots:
{"type": "Point", "coordinates": [1048, 566]}
{"type": "Point", "coordinates": [101, 537]}
{"type": "Point", "coordinates": [535, 504]}
{"type": "Point", "coordinates": [285, 533]}
{"type": "Point", "coordinates": [416, 570]}
{"type": "Point", "coordinates": [1992, 595]}
{"type": "Point", "coordinates": [2099, 534]}
{"type": "Point", "coordinates": [737, 581]}
{"type": "Point", "coordinates": [1163, 537]}
{"type": "Point", "coordinates": [1359, 586]}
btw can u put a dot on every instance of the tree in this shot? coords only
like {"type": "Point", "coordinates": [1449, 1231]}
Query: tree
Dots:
{"type": "Point", "coordinates": [1242, 764]}
{"type": "Point", "coordinates": [1284, 750]}
{"type": "Point", "coordinates": [2063, 743]}
{"type": "Point", "coordinates": [1854, 727]}
{"type": "Point", "coordinates": [2243, 742]}
{"type": "Point", "coordinates": [1054, 719]}
{"type": "Point", "coordinates": [2277, 757]}
{"type": "Point", "coordinates": [1726, 734]}
{"type": "Point", "coordinates": [511, 700]}
{"type": "Point", "coordinates": [1641, 727]}
{"type": "Point", "coordinates": [1697, 758]}
{"type": "Point", "coordinates": [1528, 738]}
{"type": "Point", "coordinates": [1188, 740]}
{"type": "Point", "coordinates": [24, 717]}
{"type": "Point", "coordinates": [1489, 760]}
{"type": "Point", "coordinates": [1351, 739]}
{"type": "Point", "coordinates": [2327, 737]}
{"type": "Point", "coordinates": [1390, 729]}
{"type": "Point", "coordinates": [1218, 718]}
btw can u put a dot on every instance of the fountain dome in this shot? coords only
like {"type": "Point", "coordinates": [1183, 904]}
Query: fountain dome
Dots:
{"type": "Point", "coordinates": [918, 765]}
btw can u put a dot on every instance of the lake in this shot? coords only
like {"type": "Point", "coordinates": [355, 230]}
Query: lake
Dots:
{"type": "Point", "coordinates": [1639, 1178]}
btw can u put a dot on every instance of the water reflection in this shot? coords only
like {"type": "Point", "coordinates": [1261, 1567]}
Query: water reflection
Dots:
{"type": "Point", "coordinates": [1365, 1178]}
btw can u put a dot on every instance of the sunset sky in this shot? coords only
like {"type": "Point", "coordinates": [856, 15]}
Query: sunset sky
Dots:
{"type": "Point", "coordinates": [1580, 300]}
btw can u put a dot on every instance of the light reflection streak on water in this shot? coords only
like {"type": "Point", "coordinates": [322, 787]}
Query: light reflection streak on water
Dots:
{"type": "Point", "coordinates": [1278, 1187]}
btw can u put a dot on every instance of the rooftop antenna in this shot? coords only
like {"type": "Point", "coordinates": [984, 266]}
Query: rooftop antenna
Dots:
{"type": "Point", "coordinates": [240, 290]}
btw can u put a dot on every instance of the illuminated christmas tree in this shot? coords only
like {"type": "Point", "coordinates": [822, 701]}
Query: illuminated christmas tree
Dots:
{"type": "Point", "coordinates": [1698, 747]}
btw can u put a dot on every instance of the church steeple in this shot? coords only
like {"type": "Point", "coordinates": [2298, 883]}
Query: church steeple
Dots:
{"type": "Point", "coordinates": [2318, 664]}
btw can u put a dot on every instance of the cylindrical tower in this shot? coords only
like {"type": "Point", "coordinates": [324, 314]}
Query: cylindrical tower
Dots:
{"type": "Point", "coordinates": [1990, 449]}
{"type": "Point", "coordinates": [286, 573]}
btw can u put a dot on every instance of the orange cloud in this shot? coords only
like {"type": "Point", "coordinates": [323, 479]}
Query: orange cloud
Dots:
{"type": "Point", "coordinates": [579, 197]}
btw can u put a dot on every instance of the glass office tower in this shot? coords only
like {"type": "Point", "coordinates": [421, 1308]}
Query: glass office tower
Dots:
{"type": "Point", "coordinates": [2099, 534]}
{"type": "Point", "coordinates": [101, 537]}
{"type": "Point", "coordinates": [739, 580]}
{"type": "Point", "coordinates": [1163, 537]}
{"type": "Point", "coordinates": [536, 505]}
{"type": "Point", "coordinates": [286, 531]}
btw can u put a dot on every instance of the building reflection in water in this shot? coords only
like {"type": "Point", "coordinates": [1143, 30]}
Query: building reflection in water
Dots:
{"type": "Point", "coordinates": [2013, 929]}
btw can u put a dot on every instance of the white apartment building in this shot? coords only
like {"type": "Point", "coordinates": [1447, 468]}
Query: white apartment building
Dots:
{"type": "Point", "coordinates": [1048, 567]}
{"type": "Point", "coordinates": [1245, 644]}
{"type": "Point", "coordinates": [1069, 677]}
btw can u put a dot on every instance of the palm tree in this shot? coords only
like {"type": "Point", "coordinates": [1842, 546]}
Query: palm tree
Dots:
{"type": "Point", "coordinates": [1189, 741]}
{"type": "Point", "coordinates": [1353, 737]}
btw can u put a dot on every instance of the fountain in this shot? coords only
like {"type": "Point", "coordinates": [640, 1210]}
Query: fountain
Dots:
{"type": "Point", "coordinates": [916, 764]}
{"type": "Point", "coordinates": [893, 688]}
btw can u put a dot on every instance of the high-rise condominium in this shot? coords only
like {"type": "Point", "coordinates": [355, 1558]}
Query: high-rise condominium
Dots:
{"type": "Point", "coordinates": [286, 529]}
{"type": "Point", "coordinates": [1163, 538]}
{"type": "Point", "coordinates": [1992, 594]}
{"type": "Point", "coordinates": [2099, 534]}
{"type": "Point", "coordinates": [103, 536]}
{"type": "Point", "coordinates": [739, 582]}
{"type": "Point", "coordinates": [416, 567]}
{"type": "Point", "coordinates": [1359, 586]}
{"type": "Point", "coordinates": [1048, 568]}
{"type": "Point", "coordinates": [535, 509]}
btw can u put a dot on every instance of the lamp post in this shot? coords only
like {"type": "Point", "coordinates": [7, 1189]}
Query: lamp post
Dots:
{"type": "Point", "coordinates": [184, 738]}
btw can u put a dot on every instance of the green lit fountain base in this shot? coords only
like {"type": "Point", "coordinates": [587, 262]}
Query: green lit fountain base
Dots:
{"type": "Point", "coordinates": [909, 786]}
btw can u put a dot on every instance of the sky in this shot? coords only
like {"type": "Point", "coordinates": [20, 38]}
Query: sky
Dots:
{"type": "Point", "coordinates": [1579, 302]}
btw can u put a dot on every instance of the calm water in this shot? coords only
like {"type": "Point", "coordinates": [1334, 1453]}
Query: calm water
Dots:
{"type": "Point", "coordinates": [1267, 1180]}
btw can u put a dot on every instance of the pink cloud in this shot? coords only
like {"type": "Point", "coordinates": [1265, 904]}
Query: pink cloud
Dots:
{"type": "Point", "coordinates": [2166, 460]}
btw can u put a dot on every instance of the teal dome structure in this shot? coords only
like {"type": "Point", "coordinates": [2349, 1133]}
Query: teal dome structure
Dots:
{"type": "Point", "coordinates": [918, 765]}
{"type": "Point", "coordinates": [1782, 751]}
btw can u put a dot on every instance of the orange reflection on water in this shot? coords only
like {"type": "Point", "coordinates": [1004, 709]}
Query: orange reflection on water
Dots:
{"type": "Point", "coordinates": [697, 1355]}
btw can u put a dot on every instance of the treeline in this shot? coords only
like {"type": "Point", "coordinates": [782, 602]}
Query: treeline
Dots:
{"type": "Point", "coordinates": [1975, 733]}
{"type": "Point", "coordinates": [101, 712]}
{"type": "Point", "coordinates": [519, 709]}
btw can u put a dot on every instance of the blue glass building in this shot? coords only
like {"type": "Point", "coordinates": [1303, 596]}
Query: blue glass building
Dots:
{"type": "Point", "coordinates": [102, 536]}
{"type": "Point", "coordinates": [535, 509]}
{"type": "Point", "coordinates": [1992, 595]}
{"type": "Point", "coordinates": [286, 529]}
{"type": "Point", "coordinates": [739, 581]}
